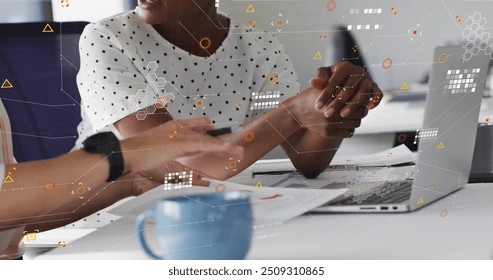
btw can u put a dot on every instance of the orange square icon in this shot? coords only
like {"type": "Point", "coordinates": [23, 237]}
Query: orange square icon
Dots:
{"type": "Point", "coordinates": [173, 134]}
{"type": "Point", "coordinates": [279, 22]}
{"type": "Point", "coordinates": [81, 190]}
{"type": "Point", "coordinates": [31, 236]}
{"type": "Point", "coordinates": [199, 103]}
{"type": "Point", "coordinates": [232, 164]}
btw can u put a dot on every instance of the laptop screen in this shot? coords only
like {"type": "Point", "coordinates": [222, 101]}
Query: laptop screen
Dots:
{"type": "Point", "coordinates": [446, 141]}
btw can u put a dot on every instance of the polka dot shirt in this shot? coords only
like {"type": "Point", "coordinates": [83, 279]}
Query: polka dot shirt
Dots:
{"type": "Point", "coordinates": [126, 66]}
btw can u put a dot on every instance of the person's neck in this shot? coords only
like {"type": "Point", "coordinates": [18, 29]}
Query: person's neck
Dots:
{"type": "Point", "coordinates": [187, 32]}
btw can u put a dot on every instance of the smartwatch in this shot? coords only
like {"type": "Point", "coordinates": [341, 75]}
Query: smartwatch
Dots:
{"type": "Point", "coordinates": [107, 143]}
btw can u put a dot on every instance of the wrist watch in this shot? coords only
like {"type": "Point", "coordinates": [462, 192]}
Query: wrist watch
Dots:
{"type": "Point", "coordinates": [107, 143]}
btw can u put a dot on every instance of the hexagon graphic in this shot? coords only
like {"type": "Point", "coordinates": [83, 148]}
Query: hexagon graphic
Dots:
{"type": "Point", "coordinates": [151, 88]}
{"type": "Point", "coordinates": [152, 66]}
{"type": "Point", "coordinates": [141, 115]}
{"type": "Point", "coordinates": [151, 77]}
{"type": "Point", "coordinates": [141, 94]}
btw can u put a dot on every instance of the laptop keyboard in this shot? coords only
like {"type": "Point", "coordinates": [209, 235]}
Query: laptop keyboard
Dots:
{"type": "Point", "coordinates": [401, 193]}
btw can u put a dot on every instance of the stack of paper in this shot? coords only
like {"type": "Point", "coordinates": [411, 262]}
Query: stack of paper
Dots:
{"type": "Point", "coordinates": [270, 205]}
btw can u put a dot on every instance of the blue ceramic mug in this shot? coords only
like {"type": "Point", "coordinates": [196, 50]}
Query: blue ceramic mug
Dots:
{"type": "Point", "coordinates": [214, 226]}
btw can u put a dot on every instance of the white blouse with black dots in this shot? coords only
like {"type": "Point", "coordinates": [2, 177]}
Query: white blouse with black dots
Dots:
{"type": "Point", "coordinates": [126, 65]}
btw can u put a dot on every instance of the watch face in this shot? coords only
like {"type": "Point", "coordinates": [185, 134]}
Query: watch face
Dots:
{"type": "Point", "coordinates": [106, 143]}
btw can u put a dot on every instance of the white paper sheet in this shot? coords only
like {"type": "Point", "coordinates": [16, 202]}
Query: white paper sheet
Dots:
{"type": "Point", "coordinates": [270, 205]}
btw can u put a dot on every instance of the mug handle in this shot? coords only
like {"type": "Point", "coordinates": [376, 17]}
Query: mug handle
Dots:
{"type": "Point", "coordinates": [141, 219]}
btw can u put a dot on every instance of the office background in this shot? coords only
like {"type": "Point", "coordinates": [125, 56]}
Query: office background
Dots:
{"type": "Point", "coordinates": [305, 21]}
{"type": "Point", "coordinates": [434, 21]}
{"type": "Point", "coordinates": [406, 32]}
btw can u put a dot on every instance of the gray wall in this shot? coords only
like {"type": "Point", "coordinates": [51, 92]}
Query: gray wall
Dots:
{"type": "Point", "coordinates": [307, 19]}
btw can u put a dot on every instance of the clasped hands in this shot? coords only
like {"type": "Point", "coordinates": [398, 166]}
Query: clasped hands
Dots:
{"type": "Point", "coordinates": [339, 97]}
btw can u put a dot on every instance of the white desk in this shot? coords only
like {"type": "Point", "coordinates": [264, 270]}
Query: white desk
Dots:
{"type": "Point", "coordinates": [466, 232]}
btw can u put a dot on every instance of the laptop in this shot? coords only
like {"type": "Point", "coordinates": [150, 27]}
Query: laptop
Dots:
{"type": "Point", "coordinates": [445, 148]}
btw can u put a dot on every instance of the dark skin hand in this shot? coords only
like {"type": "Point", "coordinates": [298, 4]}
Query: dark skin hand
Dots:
{"type": "Point", "coordinates": [345, 87]}
{"type": "Point", "coordinates": [310, 126]}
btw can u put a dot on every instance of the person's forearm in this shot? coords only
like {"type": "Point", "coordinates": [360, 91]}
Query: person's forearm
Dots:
{"type": "Point", "coordinates": [41, 187]}
{"type": "Point", "coordinates": [74, 210]}
{"type": "Point", "coordinates": [269, 129]}
{"type": "Point", "coordinates": [310, 153]}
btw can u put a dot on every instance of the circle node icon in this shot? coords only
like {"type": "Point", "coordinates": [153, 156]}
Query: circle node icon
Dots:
{"type": "Point", "coordinates": [249, 136]}
{"type": "Point", "coordinates": [331, 5]}
{"type": "Point", "coordinates": [443, 213]}
{"type": "Point", "coordinates": [205, 43]}
{"type": "Point", "coordinates": [274, 77]}
{"type": "Point", "coordinates": [49, 186]}
{"type": "Point", "coordinates": [220, 188]}
{"type": "Point", "coordinates": [387, 63]}
{"type": "Point", "coordinates": [443, 58]}
{"type": "Point", "coordinates": [411, 172]}
{"type": "Point", "coordinates": [402, 137]}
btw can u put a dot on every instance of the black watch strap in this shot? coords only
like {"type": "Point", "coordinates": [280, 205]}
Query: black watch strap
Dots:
{"type": "Point", "coordinates": [108, 144]}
